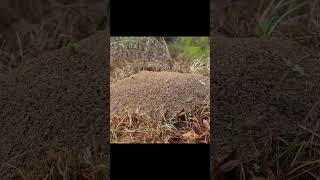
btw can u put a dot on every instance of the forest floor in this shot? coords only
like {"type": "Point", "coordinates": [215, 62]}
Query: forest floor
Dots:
{"type": "Point", "coordinates": [265, 96]}
{"type": "Point", "coordinates": [53, 92]}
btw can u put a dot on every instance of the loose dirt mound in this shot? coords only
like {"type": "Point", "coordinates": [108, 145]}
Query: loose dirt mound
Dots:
{"type": "Point", "coordinates": [159, 93]}
{"type": "Point", "coordinates": [261, 87]}
{"type": "Point", "coordinates": [125, 68]}
{"type": "Point", "coordinates": [57, 100]}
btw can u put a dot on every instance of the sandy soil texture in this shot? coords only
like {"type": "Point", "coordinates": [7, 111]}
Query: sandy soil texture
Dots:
{"type": "Point", "coordinates": [265, 88]}
{"type": "Point", "coordinates": [158, 93]}
{"type": "Point", "coordinates": [55, 101]}
{"type": "Point", "coordinates": [262, 85]}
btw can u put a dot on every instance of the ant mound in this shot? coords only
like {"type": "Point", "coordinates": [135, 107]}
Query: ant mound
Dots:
{"type": "Point", "coordinates": [159, 93]}
{"type": "Point", "coordinates": [52, 102]}
{"type": "Point", "coordinates": [125, 68]}
{"type": "Point", "coordinates": [262, 86]}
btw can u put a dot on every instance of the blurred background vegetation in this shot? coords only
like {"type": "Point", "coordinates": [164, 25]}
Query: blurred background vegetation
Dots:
{"type": "Point", "coordinates": [189, 47]}
{"type": "Point", "coordinates": [186, 48]}
{"type": "Point", "coordinates": [193, 52]}
{"type": "Point", "coordinates": [130, 55]}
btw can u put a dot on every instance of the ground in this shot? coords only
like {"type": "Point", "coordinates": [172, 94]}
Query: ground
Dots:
{"type": "Point", "coordinates": [53, 95]}
{"type": "Point", "coordinates": [158, 100]}
{"type": "Point", "coordinates": [168, 96]}
{"type": "Point", "coordinates": [265, 97]}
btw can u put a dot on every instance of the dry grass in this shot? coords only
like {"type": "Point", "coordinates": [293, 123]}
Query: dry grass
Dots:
{"type": "Point", "coordinates": [125, 68]}
{"type": "Point", "coordinates": [135, 127]}
{"type": "Point", "coordinates": [201, 65]}
{"type": "Point", "coordinates": [139, 48]}
{"type": "Point", "coordinates": [130, 55]}
{"type": "Point", "coordinates": [283, 157]}
{"type": "Point", "coordinates": [74, 164]}
{"type": "Point", "coordinates": [122, 68]}
{"type": "Point", "coordinates": [264, 18]}
{"type": "Point", "coordinates": [60, 25]}
{"type": "Point", "coordinates": [292, 155]}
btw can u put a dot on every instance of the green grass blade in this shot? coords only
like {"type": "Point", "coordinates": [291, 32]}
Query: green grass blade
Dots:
{"type": "Point", "coordinates": [274, 25]}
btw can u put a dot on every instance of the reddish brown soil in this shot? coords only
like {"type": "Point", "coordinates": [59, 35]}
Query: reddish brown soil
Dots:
{"type": "Point", "coordinates": [157, 93]}
{"type": "Point", "coordinates": [258, 90]}
{"type": "Point", "coordinates": [55, 101]}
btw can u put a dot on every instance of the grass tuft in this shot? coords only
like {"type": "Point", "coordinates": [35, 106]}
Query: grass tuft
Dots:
{"type": "Point", "coordinates": [186, 127]}
{"type": "Point", "coordinates": [74, 164]}
{"type": "Point", "coordinates": [275, 13]}
{"type": "Point", "coordinates": [281, 157]}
